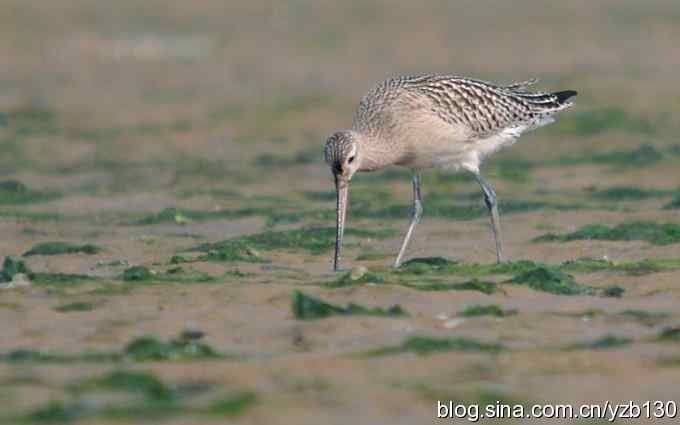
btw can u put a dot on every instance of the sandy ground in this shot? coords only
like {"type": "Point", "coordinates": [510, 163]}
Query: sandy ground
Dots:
{"type": "Point", "coordinates": [119, 112]}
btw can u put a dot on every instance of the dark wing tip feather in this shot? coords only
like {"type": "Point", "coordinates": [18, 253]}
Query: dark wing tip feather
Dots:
{"type": "Point", "coordinates": [562, 96]}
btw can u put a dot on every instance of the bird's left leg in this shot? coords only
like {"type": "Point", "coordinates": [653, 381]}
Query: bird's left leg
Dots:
{"type": "Point", "coordinates": [416, 214]}
{"type": "Point", "coordinates": [492, 205]}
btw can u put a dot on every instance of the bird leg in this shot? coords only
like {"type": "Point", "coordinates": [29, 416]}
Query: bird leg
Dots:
{"type": "Point", "coordinates": [492, 205]}
{"type": "Point", "coordinates": [416, 214]}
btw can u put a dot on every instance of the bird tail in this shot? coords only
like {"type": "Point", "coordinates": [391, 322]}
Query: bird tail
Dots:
{"type": "Point", "coordinates": [563, 96]}
{"type": "Point", "coordinates": [542, 103]}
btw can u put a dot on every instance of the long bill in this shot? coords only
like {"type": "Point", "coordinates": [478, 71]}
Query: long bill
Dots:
{"type": "Point", "coordinates": [342, 189]}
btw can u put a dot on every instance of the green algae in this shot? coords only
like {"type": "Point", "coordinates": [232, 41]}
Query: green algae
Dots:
{"type": "Point", "coordinates": [447, 209]}
{"type": "Point", "coordinates": [60, 278]}
{"type": "Point", "coordinates": [605, 343]}
{"type": "Point", "coordinates": [420, 266]}
{"type": "Point", "coordinates": [30, 119]}
{"type": "Point", "coordinates": [75, 307]}
{"type": "Point", "coordinates": [149, 348]}
{"type": "Point", "coordinates": [56, 412]}
{"type": "Point", "coordinates": [629, 193]}
{"type": "Point", "coordinates": [613, 291]}
{"type": "Point", "coordinates": [314, 240]}
{"type": "Point", "coordinates": [60, 248]}
{"type": "Point", "coordinates": [486, 310]}
{"type": "Point", "coordinates": [649, 231]}
{"type": "Point", "coordinates": [426, 264]}
{"type": "Point", "coordinates": [12, 266]}
{"type": "Point", "coordinates": [633, 268]}
{"type": "Point", "coordinates": [140, 274]}
{"type": "Point", "coordinates": [233, 405]}
{"type": "Point", "coordinates": [647, 318]}
{"type": "Point", "coordinates": [306, 307]}
{"type": "Point", "coordinates": [551, 280]}
{"type": "Point", "coordinates": [30, 215]}
{"type": "Point", "coordinates": [14, 192]}
{"type": "Point", "coordinates": [139, 383]}
{"type": "Point", "coordinates": [185, 347]}
{"type": "Point", "coordinates": [670, 334]}
{"type": "Point", "coordinates": [152, 400]}
{"type": "Point", "coordinates": [426, 345]}
{"type": "Point", "coordinates": [470, 285]}
{"type": "Point", "coordinates": [25, 355]}
{"type": "Point", "coordinates": [673, 205]}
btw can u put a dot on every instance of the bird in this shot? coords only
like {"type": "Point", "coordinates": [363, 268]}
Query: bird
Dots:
{"type": "Point", "coordinates": [435, 121]}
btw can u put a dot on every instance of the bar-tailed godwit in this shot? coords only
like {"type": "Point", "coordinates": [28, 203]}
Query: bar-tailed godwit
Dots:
{"type": "Point", "coordinates": [435, 121]}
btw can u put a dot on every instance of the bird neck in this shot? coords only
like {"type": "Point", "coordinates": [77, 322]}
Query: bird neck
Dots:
{"type": "Point", "coordinates": [376, 153]}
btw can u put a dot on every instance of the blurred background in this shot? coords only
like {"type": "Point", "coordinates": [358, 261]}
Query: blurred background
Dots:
{"type": "Point", "coordinates": [148, 128]}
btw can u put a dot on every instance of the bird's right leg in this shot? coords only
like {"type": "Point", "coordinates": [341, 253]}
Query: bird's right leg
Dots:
{"type": "Point", "coordinates": [416, 214]}
{"type": "Point", "coordinates": [492, 205]}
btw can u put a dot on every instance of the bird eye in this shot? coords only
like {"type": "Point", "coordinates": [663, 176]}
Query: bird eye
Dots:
{"type": "Point", "coordinates": [350, 160]}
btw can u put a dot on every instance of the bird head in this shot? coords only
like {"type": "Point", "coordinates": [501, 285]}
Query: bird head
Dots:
{"type": "Point", "coordinates": [342, 154]}
{"type": "Point", "coordinates": [343, 157]}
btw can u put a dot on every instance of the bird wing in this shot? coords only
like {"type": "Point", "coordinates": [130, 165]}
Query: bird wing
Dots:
{"type": "Point", "coordinates": [486, 109]}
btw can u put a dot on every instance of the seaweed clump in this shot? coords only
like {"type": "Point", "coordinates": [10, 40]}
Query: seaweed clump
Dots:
{"type": "Point", "coordinates": [59, 248]}
{"type": "Point", "coordinates": [551, 280]}
{"type": "Point", "coordinates": [649, 231]}
{"type": "Point", "coordinates": [425, 345]}
{"type": "Point", "coordinates": [306, 307]}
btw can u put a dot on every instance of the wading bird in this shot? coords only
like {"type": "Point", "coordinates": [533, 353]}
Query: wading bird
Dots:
{"type": "Point", "coordinates": [435, 121]}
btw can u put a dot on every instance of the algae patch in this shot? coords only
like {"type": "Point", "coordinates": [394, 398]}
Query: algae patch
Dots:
{"type": "Point", "coordinates": [649, 231]}
{"type": "Point", "coordinates": [673, 205]}
{"type": "Point", "coordinates": [13, 267]}
{"type": "Point", "coordinates": [233, 404]}
{"type": "Point", "coordinates": [426, 345]}
{"type": "Point", "coordinates": [306, 307]}
{"type": "Point", "coordinates": [15, 193]}
{"type": "Point", "coordinates": [75, 307]}
{"type": "Point", "coordinates": [139, 383]}
{"type": "Point", "coordinates": [647, 318]}
{"type": "Point", "coordinates": [313, 240]}
{"type": "Point", "coordinates": [438, 265]}
{"type": "Point", "coordinates": [634, 268]}
{"type": "Point", "coordinates": [142, 274]}
{"type": "Point", "coordinates": [671, 334]}
{"type": "Point", "coordinates": [148, 397]}
{"type": "Point", "coordinates": [629, 193]}
{"type": "Point", "coordinates": [605, 343]}
{"type": "Point", "coordinates": [185, 347]}
{"type": "Point", "coordinates": [551, 280]}
{"type": "Point", "coordinates": [470, 285]}
{"type": "Point", "coordinates": [59, 248]}
{"type": "Point", "coordinates": [486, 310]}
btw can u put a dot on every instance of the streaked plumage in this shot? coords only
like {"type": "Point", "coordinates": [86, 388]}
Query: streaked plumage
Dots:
{"type": "Point", "coordinates": [439, 121]}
